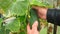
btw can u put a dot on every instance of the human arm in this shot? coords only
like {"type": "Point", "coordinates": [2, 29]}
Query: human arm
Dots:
{"type": "Point", "coordinates": [51, 15]}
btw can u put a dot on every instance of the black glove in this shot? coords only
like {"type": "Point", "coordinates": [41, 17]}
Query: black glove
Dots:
{"type": "Point", "coordinates": [53, 16]}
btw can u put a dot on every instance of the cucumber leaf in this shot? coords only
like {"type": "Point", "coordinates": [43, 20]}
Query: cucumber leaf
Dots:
{"type": "Point", "coordinates": [13, 26]}
{"type": "Point", "coordinates": [19, 8]}
{"type": "Point", "coordinates": [5, 4]}
{"type": "Point", "coordinates": [41, 3]}
{"type": "Point", "coordinates": [15, 7]}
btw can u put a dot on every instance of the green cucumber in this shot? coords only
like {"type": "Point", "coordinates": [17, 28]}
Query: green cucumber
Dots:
{"type": "Point", "coordinates": [33, 18]}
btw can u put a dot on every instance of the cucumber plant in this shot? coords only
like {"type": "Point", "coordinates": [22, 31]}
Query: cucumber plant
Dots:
{"type": "Point", "coordinates": [15, 14]}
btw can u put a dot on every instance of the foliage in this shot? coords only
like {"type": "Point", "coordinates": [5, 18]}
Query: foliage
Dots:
{"type": "Point", "coordinates": [0, 22]}
{"type": "Point", "coordinates": [18, 9]}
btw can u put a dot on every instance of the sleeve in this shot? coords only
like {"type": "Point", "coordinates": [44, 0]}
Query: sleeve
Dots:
{"type": "Point", "coordinates": [53, 16]}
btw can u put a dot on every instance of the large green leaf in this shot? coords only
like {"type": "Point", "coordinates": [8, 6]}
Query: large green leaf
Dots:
{"type": "Point", "coordinates": [15, 7]}
{"type": "Point", "coordinates": [5, 4]}
{"type": "Point", "coordinates": [13, 25]}
{"type": "Point", "coordinates": [19, 8]}
{"type": "Point", "coordinates": [40, 3]}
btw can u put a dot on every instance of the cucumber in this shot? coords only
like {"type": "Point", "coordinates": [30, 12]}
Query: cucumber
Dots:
{"type": "Point", "coordinates": [33, 18]}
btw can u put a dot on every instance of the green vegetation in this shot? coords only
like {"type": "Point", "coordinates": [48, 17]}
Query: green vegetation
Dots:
{"type": "Point", "coordinates": [15, 15]}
